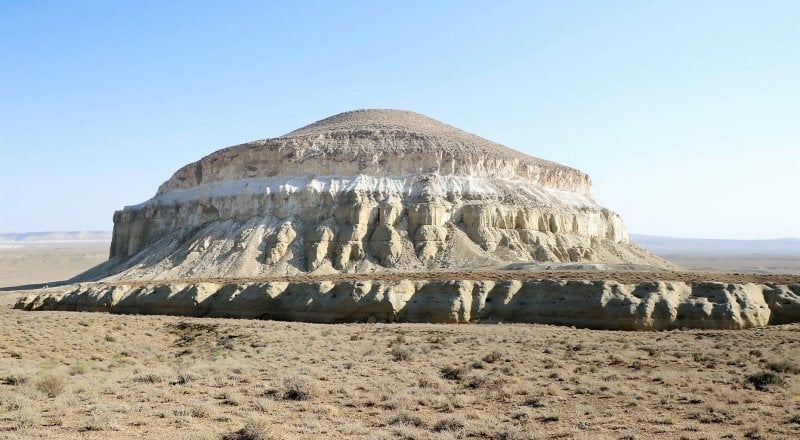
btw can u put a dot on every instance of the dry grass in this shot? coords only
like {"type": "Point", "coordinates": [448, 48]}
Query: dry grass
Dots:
{"type": "Point", "coordinates": [61, 376]}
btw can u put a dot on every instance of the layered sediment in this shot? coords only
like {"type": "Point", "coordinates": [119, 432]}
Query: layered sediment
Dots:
{"type": "Point", "coordinates": [365, 191]}
{"type": "Point", "coordinates": [606, 304]}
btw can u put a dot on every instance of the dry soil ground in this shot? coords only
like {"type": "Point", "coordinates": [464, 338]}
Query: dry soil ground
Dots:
{"type": "Point", "coordinates": [90, 375]}
{"type": "Point", "coordinates": [29, 263]}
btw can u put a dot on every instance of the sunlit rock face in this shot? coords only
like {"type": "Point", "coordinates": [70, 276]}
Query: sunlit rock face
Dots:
{"type": "Point", "coordinates": [362, 191]}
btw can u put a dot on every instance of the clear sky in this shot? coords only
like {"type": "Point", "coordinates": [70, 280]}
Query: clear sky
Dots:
{"type": "Point", "coordinates": [686, 114]}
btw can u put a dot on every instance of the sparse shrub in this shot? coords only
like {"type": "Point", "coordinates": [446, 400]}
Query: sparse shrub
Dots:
{"type": "Point", "coordinates": [453, 373]}
{"type": "Point", "coordinates": [533, 402]}
{"type": "Point", "coordinates": [297, 388]}
{"type": "Point", "coordinates": [783, 367]}
{"type": "Point", "coordinates": [51, 385]}
{"type": "Point", "coordinates": [16, 379]}
{"type": "Point", "coordinates": [200, 411]}
{"type": "Point", "coordinates": [185, 378]}
{"type": "Point", "coordinates": [79, 368]}
{"type": "Point", "coordinates": [425, 382]}
{"type": "Point", "coordinates": [262, 405]}
{"type": "Point", "coordinates": [400, 354]}
{"type": "Point", "coordinates": [765, 380]}
{"type": "Point", "coordinates": [521, 414]}
{"type": "Point", "coordinates": [493, 357]}
{"type": "Point", "coordinates": [449, 424]}
{"type": "Point", "coordinates": [407, 419]}
{"type": "Point", "coordinates": [25, 419]}
{"type": "Point", "coordinates": [150, 378]}
{"type": "Point", "coordinates": [477, 381]}
{"type": "Point", "coordinates": [753, 434]}
{"type": "Point", "coordinates": [254, 429]}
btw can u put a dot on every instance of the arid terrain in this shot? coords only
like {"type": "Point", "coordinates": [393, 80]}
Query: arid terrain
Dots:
{"type": "Point", "coordinates": [90, 375]}
{"type": "Point", "coordinates": [44, 262]}
{"type": "Point", "coordinates": [95, 375]}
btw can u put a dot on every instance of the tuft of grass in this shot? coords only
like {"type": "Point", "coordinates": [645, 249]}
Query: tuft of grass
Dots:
{"type": "Point", "coordinates": [15, 379]}
{"type": "Point", "coordinates": [254, 429]}
{"type": "Point", "coordinates": [783, 367]}
{"type": "Point", "coordinates": [406, 419]}
{"type": "Point", "coordinates": [149, 378]}
{"type": "Point", "coordinates": [400, 354]}
{"type": "Point", "coordinates": [297, 388]}
{"type": "Point", "coordinates": [453, 373]}
{"type": "Point", "coordinates": [493, 357]}
{"type": "Point", "coordinates": [51, 385]}
{"type": "Point", "coordinates": [449, 424]}
{"type": "Point", "coordinates": [765, 380]}
{"type": "Point", "coordinates": [25, 419]}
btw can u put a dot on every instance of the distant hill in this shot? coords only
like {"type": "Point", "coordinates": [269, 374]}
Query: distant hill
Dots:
{"type": "Point", "coordinates": [700, 246]}
{"type": "Point", "coordinates": [52, 237]}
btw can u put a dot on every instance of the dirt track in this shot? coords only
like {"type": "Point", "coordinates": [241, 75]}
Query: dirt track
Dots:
{"type": "Point", "coordinates": [496, 275]}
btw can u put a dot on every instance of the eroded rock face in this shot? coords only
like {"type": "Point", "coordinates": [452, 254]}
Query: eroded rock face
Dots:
{"type": "Point", "coordinates": [589, 304]}
{"type": "Point", "coordinates": [365, 191]}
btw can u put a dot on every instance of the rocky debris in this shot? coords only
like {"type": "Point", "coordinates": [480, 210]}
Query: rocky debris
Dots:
{"type": "Point", "coordinates": [591, 304]}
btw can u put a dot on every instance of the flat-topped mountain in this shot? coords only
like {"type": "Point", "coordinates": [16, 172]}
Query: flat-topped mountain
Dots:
{"type": "Point", "coordinates": [364, 191]}
{"type": "Point", "coordinates": [375, 143]}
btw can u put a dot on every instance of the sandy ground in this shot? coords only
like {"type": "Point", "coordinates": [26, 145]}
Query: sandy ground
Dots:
{"type": "Point", "coordinates": [777, 264]}
{"type": "Point", "coordinates": [31, 263]}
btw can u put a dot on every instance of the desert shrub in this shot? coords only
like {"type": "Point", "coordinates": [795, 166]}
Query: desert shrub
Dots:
{"type": "Point", "coordinates": [449, 424]}
{"type": "Point", "coordinates": [254, 429]}
{"type": "Point", "coordinates": [297, 388]}
{"type": "Point", "coordinates": [765, 380]}
{"type": "Point", "coordinates": [51, 385]}
{"type": "Point", "coordinates": [426, 382]}
{"type": "Point", "coordinates": [453, 373]}
{"type": "Point", "coordinates": [405, 418]}
{"type": "Point", "coordinates": [783, 367]}
{"type": "Point", "coordinates": [754, 434]}
{"type": "Point", "coordinates": [477, 381]}
{"type": "Point", "coordinates": [25, 419]}
{"type": "Point", "coordinates": [79, 368]}
{"type": "Point", "coordinates": [16, 379]}
{"type": "Point", "coordinates": [533, 402]}
{"type": "Point", "coordinates": [185, 378]}
{"type": "Point", "coordinates": [149, 378]}
{"type": "Point", "coordinates": [493, 357]}
{"type": "Point", "coordinates": [400, 354]}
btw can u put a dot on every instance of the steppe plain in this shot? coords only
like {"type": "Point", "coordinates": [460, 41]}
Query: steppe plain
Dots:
{"type": "Point", "coordinates": [91, 375]}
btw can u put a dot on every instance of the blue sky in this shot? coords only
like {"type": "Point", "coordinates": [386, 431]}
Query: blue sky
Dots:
{"type": "Point", "coordinates": [686, 114]}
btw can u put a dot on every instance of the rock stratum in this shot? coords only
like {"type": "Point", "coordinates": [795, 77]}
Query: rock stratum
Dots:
{"type": "Point", "coordinates": [361, 192]}
{"type": "Point", "coordinates": [606, 304]}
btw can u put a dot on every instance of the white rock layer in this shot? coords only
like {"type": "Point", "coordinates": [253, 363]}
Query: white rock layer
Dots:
{"type": "Point", "coordinates": [589, 304]}
{"type": "Point", "coordinates": [365, 191]}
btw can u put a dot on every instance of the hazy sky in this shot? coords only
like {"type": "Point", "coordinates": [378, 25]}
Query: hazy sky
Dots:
{"type": "Point", "coordinates": [686, 114]}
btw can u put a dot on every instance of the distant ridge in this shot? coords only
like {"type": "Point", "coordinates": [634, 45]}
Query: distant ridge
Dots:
{"type": "Point", "coordinates": [704, 246]}
{"type": "Point", "coordinates": [55, 236]}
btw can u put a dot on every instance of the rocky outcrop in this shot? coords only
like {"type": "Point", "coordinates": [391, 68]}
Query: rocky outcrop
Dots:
{"type": "Point", "coordinates": [365, 191]}
{"type": "Point", "coordinates": [589, 304]}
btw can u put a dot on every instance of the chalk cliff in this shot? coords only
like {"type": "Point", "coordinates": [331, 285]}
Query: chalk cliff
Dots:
{"type": "Point", "coordinates": [363, 191]}
{"type": "Point", "coordinates": [602, 304]}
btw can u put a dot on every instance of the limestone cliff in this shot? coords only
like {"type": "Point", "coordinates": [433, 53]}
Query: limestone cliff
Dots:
{"type": "Point", "coordinates": [600, 304]}
{"type": "Point", "coordinates": [368, 190]}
